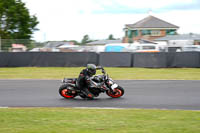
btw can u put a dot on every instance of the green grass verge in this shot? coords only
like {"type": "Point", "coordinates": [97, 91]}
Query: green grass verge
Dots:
{"type": "Point", "coordinates": [115, 73]}
{"type": "Point", "coordinates": [64, 120]}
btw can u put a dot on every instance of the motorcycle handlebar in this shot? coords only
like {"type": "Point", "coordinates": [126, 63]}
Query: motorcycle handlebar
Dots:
{"type": "Point", "coordinates": [101, 68]}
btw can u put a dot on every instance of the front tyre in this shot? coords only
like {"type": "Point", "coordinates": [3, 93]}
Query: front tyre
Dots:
{"type": "Point", "coordinates": [118, 92]}
{"type": "Point", "coordinates": [65, 92]}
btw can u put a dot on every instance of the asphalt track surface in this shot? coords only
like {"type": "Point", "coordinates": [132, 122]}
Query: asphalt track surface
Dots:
{"type": "Point", "coordinates": [154, 94]}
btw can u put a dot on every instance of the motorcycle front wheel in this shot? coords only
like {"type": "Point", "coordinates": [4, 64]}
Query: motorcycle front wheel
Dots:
{"type": "Point", "coordinates": [118, 92]}
{"type": "Point", "coordinates": [65, 92]}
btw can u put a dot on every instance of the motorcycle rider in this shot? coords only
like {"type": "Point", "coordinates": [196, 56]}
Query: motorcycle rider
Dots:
{"type": "Point", "coordinates": [83, 81]}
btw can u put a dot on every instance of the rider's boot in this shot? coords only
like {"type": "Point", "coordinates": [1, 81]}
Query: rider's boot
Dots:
{"type": "Point", "coordinates": [87, 93]}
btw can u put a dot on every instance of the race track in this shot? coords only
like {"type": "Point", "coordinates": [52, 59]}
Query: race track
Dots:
{"type": "Point", "coordinates": [156, 94]}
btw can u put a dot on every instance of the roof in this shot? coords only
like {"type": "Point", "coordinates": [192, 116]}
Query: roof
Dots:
{"type": "Point", "coordinates": [103, 42]}
{"type": "Point", "coordinates": [67, 46]}
{"type": "Point", "coordinates": [180, 37]}
{"type": "Point", "coordinates": [54, 44]}
{"type": "Point", "coordinates": [18, 46]}
{"type": "Point", "coordinates": [151, 22]}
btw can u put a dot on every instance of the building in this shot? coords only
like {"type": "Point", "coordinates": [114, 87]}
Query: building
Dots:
{"type": "Point", "coordinates": [100, 45]}
{"type": "Point", "coordinates": [18, 48]}
{"type": "Point", "coordinates": [56, 46]}
{"type": "Point", "coordinates": [182, 39]}
{"type": "Point", "coordinates": [104, 42]}
{"type": "Point", "coordinates": [182, 42]}
{"type": "Point", "coordinates": [148, 28]}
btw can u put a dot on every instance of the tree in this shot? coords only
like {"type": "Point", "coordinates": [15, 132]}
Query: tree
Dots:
{"type": "Point", "coordinates": [110, 37]}
{"type": "Point", "coordinates": [85, 40]}
{"type": "Point", "coordinates": [15, 20]}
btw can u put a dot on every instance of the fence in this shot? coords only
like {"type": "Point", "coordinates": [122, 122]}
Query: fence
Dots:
{"type": "Point", "coordinates": [7, 44]}
{"type": "Point", "coordinates": [109, 59]}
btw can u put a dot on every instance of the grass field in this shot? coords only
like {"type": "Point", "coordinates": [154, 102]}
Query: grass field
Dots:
{"type": "Point", "coordinates": [115, 73]}
{"type": "Point", "coordinates": [64, 120]}
{"type": "Point", "coordinates": [69, 120]}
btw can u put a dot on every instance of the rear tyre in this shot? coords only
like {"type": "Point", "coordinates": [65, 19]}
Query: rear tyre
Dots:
{"type": "Point", "coordinates": [118, 92]}
{"type": "Point", "coordinates": [65, 92]}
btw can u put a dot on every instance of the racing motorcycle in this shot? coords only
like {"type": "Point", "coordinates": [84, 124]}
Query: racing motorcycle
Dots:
{"type": "Point", "coordinates": [98, 84]}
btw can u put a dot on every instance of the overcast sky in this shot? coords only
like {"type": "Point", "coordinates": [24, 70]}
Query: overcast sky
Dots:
{"type": "Point", "coordinates": [72, 19]}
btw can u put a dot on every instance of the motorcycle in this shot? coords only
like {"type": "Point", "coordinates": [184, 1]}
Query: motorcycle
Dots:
{"type": "Point", "coordinates": [98, 84]}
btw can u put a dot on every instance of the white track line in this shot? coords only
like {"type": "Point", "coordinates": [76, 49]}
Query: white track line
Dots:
{"type": "Point", "coordinates": [3, 107]}
{"type": "Point", "coordinates": [98, 108]}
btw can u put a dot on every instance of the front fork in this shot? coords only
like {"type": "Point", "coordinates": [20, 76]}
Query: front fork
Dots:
{"type": "Point", "coordinates": [111, 86]}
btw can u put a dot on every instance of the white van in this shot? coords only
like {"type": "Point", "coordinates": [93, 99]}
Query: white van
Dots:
{"type": "Point", "coordinates": [139, 47]}
{"type": "Point", "coordinates": [191, 48]}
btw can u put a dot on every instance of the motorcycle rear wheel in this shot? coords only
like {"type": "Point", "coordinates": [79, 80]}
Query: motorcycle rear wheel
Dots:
{"type": "Point", "coordinates": [119, 91]}
{"type": "Point", "coordinates": [65, 92]}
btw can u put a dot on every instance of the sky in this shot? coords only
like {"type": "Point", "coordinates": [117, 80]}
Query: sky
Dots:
{"type": "Point", "coordinates": [72, 19]}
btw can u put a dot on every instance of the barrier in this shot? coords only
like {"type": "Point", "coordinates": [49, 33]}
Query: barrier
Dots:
{"type": "Point", "coordinates": [151, 60]}
{"type": "Point", "coordinates": [115, 59]}
{"type": "Point", "coordinates": [107, 59]}
{"type": "Point", "coordinates": [70, 59]}
{"type": "Point", "coordinates": [4, 59]}
{"type": "Point", "coordinates": [47, 59]}
{"type": "Point", "coordinates": [183, 59]}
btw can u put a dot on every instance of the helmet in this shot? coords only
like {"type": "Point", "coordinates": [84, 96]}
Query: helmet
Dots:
{"type": "Point", "coordinates": [91, 69]}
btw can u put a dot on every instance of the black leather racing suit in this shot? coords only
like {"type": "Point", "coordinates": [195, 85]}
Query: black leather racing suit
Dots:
{"type": "Point", "coordinates": [83, 82]}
